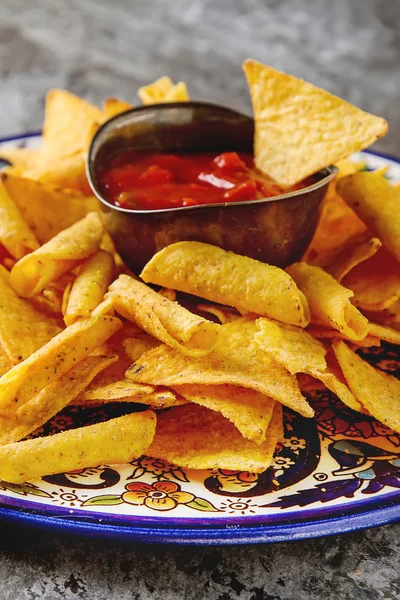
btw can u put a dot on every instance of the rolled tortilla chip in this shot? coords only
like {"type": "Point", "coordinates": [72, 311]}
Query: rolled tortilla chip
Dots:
{"type": "Point", "coordinates": [356, 250]}
{"type": "Point", "coordinates": [163, 319]}
{"type": "Point", "coordinates": [116, 441]}
{"type": "Point", "coordinates": [62, 253]}
{"type": "Point", "coordinates": [248, 410]}
{"type": "Point", "coordinates": [23, 329]}
{"type": "Point", "coordinates": [244, 283]}
{"type": "Point", "coordinates": [383, 332]}
{"type": "Point", "coordinates": [15, 235]}
{"type": "Point", "coordinates": [237, 359]}
{"type": "Point", "coordinates": [53, 360]}
{"type": "Point", "coordinates": [52, 399]}
{"type": "Point", "coordinates": [377, 391]}
{"type": "Point", "coordinates": [89, 287]}
{"type": "Point", "coordinates": [47, 209]}
{"type": "Point", "coordinates": [329, 301]}
{"type": "Point", "coordinates": [377, 203]}
{"type": "Point", "coordinates": [197, 438]}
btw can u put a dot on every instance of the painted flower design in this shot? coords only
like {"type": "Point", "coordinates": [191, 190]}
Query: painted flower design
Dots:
{"type": "Point", "coordinates": [280, 463]}
{"type": "Point", "coordinates": [161, 495]}
{"type": "Point", "coordinates": [295, 444]}
{"type": "Point", "coordinates": [159, 469]}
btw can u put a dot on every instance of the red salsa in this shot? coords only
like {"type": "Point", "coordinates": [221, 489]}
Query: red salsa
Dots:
{"type": "Point", "coordinates": [154, 180]}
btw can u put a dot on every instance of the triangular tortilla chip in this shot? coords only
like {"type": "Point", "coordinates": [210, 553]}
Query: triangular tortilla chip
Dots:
{"type": "Point", "coordinates": [299, 128]}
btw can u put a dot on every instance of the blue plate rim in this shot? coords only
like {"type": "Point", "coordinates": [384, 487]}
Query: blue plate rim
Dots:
{"type": "Point", "coordinates": [196, 531]}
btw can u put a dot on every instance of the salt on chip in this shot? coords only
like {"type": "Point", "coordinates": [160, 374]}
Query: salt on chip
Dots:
{"type": "Point", "coordinates": [237, 359]}
{"type": "Point", "coordinates": [197, 438]}
{"type": "Point", "coordinates": [68, 124]}
{"type": "Point", "coordinates": [15, 234]}
{"type": "Point", "coordinates": [47, 209]}
{"type": "Point", "coordinates": [88, 289]}
{"type": "Point", "coordinates": [249, 411]}
{"type": "Point", "coordinates": [53, 398]}
{"type": "Point", "coordinates": [165, 320]}
{"type": "Point", "coordinates": [62, 253]}
{"type": "Point", "coordinates": [377, 202]}
{"type": "Point", "coordinates": [163, 90]}
{"type": "Point", "coordinates": [375, 282]}
{"type": "Point", "coordinates": [53, 359]}
{"type": "Point", "coordinates": [377, 391]}
{"type": "Point", "coordinates": [329, 301]}
{"type": "Point", "coordinates": [227, 278]}
{"type": "Point", "coordinates": [23, 329]}
{"type": "Point", "coordinates": [116, 441]}
{"type": "Point", "coordinates": [299, 128]}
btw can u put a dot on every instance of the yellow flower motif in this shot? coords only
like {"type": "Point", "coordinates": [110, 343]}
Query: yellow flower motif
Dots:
{"type": "Point", "coordinates": [162, 495]}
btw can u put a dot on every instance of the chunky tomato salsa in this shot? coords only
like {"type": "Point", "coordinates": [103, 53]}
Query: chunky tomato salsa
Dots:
{"type": "Point", "coordinates": [153, 180]}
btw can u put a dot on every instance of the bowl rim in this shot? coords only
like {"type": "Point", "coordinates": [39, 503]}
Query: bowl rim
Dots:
{"type": "Point", "coordinates": [326, 174]}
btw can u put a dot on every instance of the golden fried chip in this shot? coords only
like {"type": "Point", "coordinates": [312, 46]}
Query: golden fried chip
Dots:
{"type": "Point", "coordinates": [23, 329]}
{"type": "Point", "coordinates": [329, 301]}
{"type": "Point", "coordinates": [375, 282]}
{"type": "Point", "coordinates": [377, 203]}
{"type": "Point", "coordinates": [113, 107]}
{"type": "Point", "coordinates": [324, 333]}
{"type": "Point", "coordinates": [121, 389]}
{"type": "Point", "coordinates": [68, 124]}
{"type": "Point", "coordinates": [20, 158]}
{"type": "Point", "coordinates": [15, 234]}
{"type": "Point", "coordinates": [295, 349]}
{"type": "Point", "coordinates": [5, 363]}
{"type": "Point", "coordinates": [227, 278]}
{"type": "Point", "coordinates": [53, 398]}
{"type": "Point", "coordinates": [61, 254]}
{"type": "Point", "coordinates": [237, 359]}
{"type": "Point", "coordinates": [388, 334]}
{"type": "Point", "coordinates": [89, 287]}
{"type": "Point", "coordinates": [377, 391]}
{"type": "Point", "coordinates": [116, 441]}
{"type": "Point", "coordinates": [197, 438]}
{"type": "Point", "coordinates": [389, 316]}
{"type": "Point", "coordinates": [165, 320]}
{"type": "Point", "coordinates": [355, 251]}
{"type": "Point", "coordinates": [66, 172]}
{"type": "Point", "coordinates": [163, 90]}
{"type": "Point", "coordinates": [137, 346]}
{"type": "Point", "coordinates": [248, 410]}
{"type": "Point", "coordinates": [299, 128]}
{"type": "Point", "coordinates": [52, 360]}
{"type": "Point", "coordinates": [224, 314]}
{"type": "Point", "coordinates": [46, 209]}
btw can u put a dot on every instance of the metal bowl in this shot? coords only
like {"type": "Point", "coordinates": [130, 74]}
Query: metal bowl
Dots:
{"type": "Point", "coordinates": [274, 230]}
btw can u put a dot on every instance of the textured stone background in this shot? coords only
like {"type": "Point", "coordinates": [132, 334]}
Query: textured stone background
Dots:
{"type": "Point", "coordinates": [98, 48]}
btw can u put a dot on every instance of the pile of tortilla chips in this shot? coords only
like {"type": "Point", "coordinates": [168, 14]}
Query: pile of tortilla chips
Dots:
{"type": "Point", "coordinates": [203, 382]}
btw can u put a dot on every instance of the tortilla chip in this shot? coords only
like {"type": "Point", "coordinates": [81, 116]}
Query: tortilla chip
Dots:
{"type": "Point", "coordinates": [194, 437]}
{"type": "Point", "coordinates": [335, 381]}
{"type": "Point", "coordinates": [295, 349]}
{"type": "Point", "coordinates": [122, 389]}
{"type": "Point", "coordinates": [15, 234]}
{"type": "Point", "coordinates": [389, 316]}
{"type": "Point", "coordinates": [46, 209]}
{"type": "Point", "coordinates": [137, 346]}
{"type": "Point", "coordinates": [329, 301]}
{"type": "Point", "coordinates": [324, 333]}
{"type": "Point", "coordinates": [227, 278]}
{"type": "Point", "coordinates": [300, 129]}
{"type": "Point", "coordinates": [20, 158]}
{"type": "Point", "coordinates": [51, 361]}
{"type": "Point", "coordinates": [66, 172]}
{"type": "Point", "coordinates": [388, 334]}
{"type": "Point", "coordinates": [52, 399]}
{"type": "Point", "coordinates": [61, 254]}
{"type": "Point", "coordinates": [355, 251]}
{"type": "Point", "coordinates": [68, 124]}
{"type": "Point", "coordinates": [5, 363]}
{"type": "Point", "coordinates": [377, 203]}
{"type": "Point", "coordinates": [375, 282]}
{"type": "Point", "coordinates": [23, 329]}
{"type": "Point", "coordinates": [248, 410]}
{"type": "Point", "coordinates": [116, 441]}
{"type": "Point", "coordinates": [377, 391]}
{"type": "Point", "coordinates": [163, 90]}
{"type": "Point", "coordinates": [222, 313]}
{"type": "Point", "coordinates": [89, 287]}
{"type": "Point", "coordinates": [113, 107]}
{"type": "Point", "coordinates": [237, 359]}
{"type": "Point", "coordinates": [165, 320]}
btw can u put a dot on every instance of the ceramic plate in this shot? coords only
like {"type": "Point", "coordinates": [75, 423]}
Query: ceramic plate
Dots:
{"type": "Point", "coordinates": [336, 473]}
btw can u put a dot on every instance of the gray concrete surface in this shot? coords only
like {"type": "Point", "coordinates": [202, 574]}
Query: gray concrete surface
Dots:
{"type": "Point", "coordinates": [98, 48]}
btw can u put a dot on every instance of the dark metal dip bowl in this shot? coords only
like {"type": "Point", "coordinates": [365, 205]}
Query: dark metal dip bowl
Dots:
{"type": "Point", "coordinates": [274, 230]}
